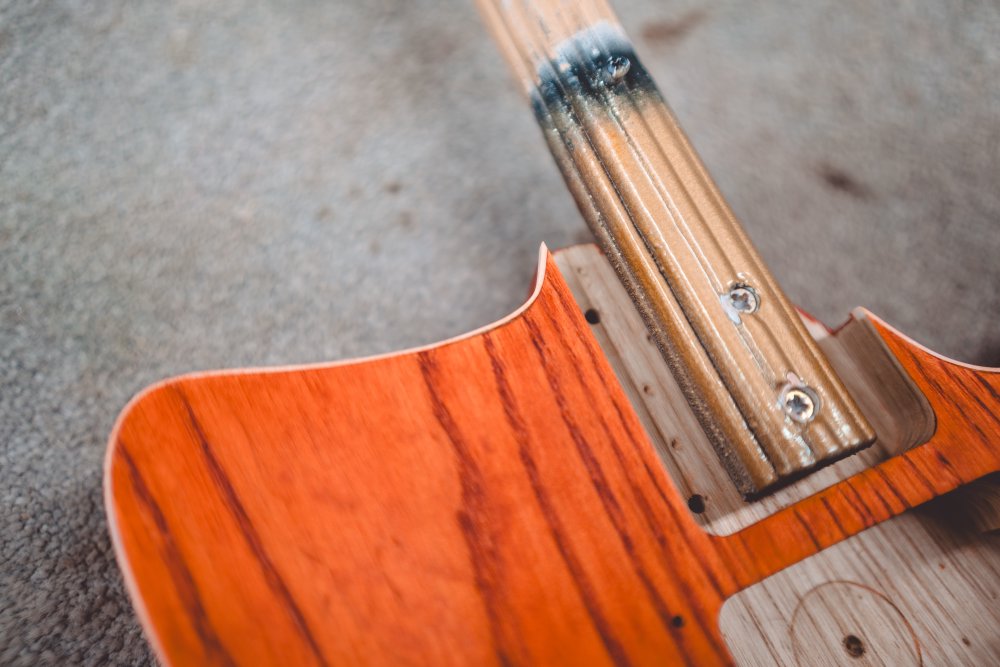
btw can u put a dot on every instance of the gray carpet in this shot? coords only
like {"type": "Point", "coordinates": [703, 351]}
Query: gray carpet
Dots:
{"type": "Point", "coordinates": [198, 185]}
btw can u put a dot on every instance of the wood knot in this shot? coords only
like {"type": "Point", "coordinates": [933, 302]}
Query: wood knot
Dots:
{"type": "Point", "coordinates": [854, 646]}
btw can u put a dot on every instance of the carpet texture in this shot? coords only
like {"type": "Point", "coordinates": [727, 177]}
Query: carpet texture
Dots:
{"type": "Point", "coordinates": [195, 185]}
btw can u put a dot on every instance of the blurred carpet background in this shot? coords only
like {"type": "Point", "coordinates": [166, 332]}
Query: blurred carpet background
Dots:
{"type": "Point", "coordinates": [190, 185]}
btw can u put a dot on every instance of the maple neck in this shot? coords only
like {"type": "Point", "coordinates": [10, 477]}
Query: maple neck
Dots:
{"type": "Point", "coordinates": [770, 402]}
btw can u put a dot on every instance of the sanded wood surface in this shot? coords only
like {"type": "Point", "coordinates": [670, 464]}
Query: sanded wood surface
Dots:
{"type": "Point", "coordinates": [887, 396]}
{"type": "Point", "coordinates": [980, 500]}
{"type": "Point", "coordinates": [490, 500]}
{"type": "Point", "coordinates": [921, 588]}
{"type": "Point", "coordinates": [677, 245]}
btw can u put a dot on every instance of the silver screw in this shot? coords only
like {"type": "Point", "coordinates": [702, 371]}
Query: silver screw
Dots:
{"type": "Point", "coordinates": [799, 405]}
{"type": "Point", "coordinates": [743, 299]}
{"type": "Point", "coordinates": [799, 401]}
{"type": "Point", "coordinates": [617, 68]}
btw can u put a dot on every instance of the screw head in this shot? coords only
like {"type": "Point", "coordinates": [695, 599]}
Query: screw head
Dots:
{"type": "Point", "coordinates": [799, 401]}
{"type": "Point", "coordinates": [616, 68]}
{"type": "Point", "coordinates": [743, 299]}
{"type": "Point", "coordinates": [799, 405]}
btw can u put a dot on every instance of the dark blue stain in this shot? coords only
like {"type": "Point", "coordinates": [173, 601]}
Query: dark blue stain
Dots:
{"type": "Point", "coordinates": [589, 71]}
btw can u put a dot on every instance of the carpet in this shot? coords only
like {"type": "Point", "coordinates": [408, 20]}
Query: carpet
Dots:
{"type": "Point", "coordinates": [193, 185]}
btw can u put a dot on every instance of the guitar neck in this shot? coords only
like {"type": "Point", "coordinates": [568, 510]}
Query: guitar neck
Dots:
{"type": "Point", "coordinates": [770, 402]}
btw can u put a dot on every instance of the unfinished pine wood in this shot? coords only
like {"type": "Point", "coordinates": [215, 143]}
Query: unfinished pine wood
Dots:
{"type": "Point", "coordinates": [980, 500]}
{"type": "Point", "coordinates": [921, 589]}
{"type": "Point", "coordinates": [889, 400]}
{"type": "Point", "coordinates": [912, 591]}
{"type": "Point", "coordinates": [490, 500]}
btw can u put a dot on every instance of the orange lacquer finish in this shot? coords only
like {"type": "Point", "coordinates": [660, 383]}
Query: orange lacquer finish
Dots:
{"type": "Point", "coordinates": [490, 500]}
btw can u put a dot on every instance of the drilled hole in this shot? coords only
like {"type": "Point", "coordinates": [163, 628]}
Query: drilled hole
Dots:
{"type": "Point", "coordinates": [592, 316]}
{"type": "Point", "coordinates": [677, 621]}
{"type": "Point", "coordinates": [696, 503]}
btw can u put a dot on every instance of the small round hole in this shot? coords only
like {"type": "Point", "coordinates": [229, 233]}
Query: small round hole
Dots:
{"type": "Point", "coordinates": [677, 621]}
{"type": "Point", "coordinates": [592, 316]}
{"type": "Point", "coordinates": [696, 503]}
{"type": "Point", "coordinates": [854, 646]}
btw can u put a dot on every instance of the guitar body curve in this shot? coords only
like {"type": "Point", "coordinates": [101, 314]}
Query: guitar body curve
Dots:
{"type": "Point", "coordinates": [490, 500]}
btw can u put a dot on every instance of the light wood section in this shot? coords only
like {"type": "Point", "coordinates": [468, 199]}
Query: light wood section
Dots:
{"type": "Point", "coordinates": [921, 589]}
{"type": "Point", "coordinates": [677, 246]}
{"type": "Point", "coordinates": [886, 395]}
{"type": "Point", "coordinates": [826, 619]}
{"type": "Point", "coordinates": [981, 502]}
{"type": "Point", "coordinates": [900, 413]}
{"type": "Point", "coordinates": [490, 500]}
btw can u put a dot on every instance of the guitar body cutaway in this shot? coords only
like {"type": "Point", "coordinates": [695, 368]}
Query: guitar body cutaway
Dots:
{"type": "Point", "coordinates": [490, 500]}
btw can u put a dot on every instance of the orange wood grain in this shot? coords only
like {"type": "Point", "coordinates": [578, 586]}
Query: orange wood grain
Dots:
{"type": "Point", "coordinates": [492, 500]}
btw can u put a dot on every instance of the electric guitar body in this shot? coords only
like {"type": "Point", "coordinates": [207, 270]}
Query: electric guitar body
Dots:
{"type": "Point", "coordinates": [552, 489]}
{"type": "Point", "coordinates": [490, 500]}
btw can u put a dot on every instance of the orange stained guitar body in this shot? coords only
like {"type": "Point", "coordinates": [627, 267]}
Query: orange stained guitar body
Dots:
{"type": "Point", "coordinates": [490, 500]}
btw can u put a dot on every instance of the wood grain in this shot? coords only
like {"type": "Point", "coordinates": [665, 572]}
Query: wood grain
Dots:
{"type": "Point", "coordinates": [886, 395]}
{"type": "Point", "coordinates": [919, 589]}
{"type": "Point", "coordinates": [491, 500]}
{"type": "Point", "coordinates": [675, 244]}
